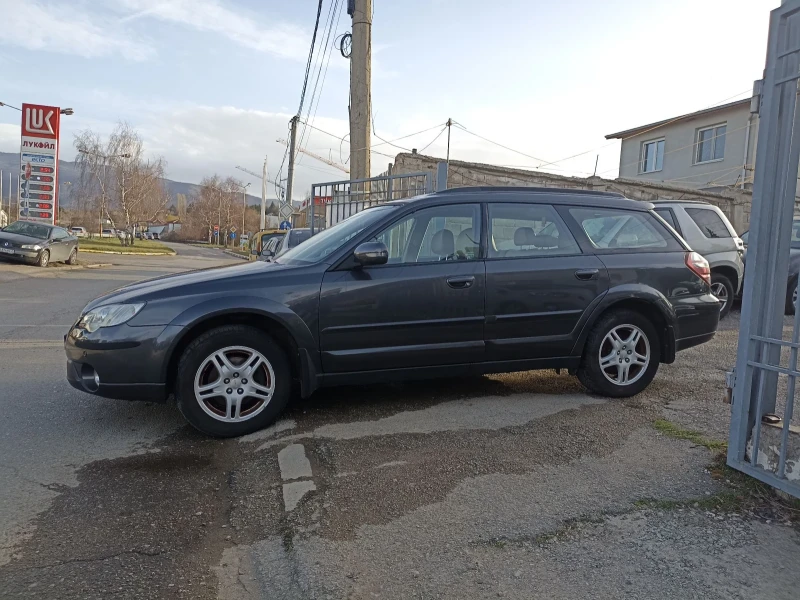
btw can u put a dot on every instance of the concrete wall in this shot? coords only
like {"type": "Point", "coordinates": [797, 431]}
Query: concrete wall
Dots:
{"type": "Point", "coordinates": [679, 166]}
{"type": "Point", "coordinates": [734, 203]}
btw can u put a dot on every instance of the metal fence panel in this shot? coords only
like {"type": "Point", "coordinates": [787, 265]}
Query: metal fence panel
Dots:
{"type": "Point", "coordinates": [762, 366]}
{"type": "Point", "coordinates": [334, 201]}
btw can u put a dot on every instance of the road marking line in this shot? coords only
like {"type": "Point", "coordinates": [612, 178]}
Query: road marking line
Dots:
{"type": "Point", "coordinates": [293, 462]}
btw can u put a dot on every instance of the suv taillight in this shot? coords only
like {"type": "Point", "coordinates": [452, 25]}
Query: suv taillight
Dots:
{"type": "Point", "coordinates": [699, 266]}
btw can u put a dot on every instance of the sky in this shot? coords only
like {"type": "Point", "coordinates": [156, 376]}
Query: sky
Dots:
{"type": "Point", "coordinates": [212, 84]}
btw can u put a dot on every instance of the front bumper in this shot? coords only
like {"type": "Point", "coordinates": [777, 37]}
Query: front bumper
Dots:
{"type": "Point", "coordinates": [120, 362]}
{"type": "Point", "coordinates": [19, 254]}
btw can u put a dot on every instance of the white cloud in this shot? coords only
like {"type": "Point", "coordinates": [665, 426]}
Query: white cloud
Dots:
{"type": "Point", "coordinates": [281, 39]}
{"type": "Point", "coordinates": [66, 28]}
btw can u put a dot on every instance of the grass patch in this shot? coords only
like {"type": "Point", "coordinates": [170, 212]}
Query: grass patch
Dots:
{"type": "Point", "coordinates": [674, 431]}
{"type": "Point", "coordinates": [114, 245]}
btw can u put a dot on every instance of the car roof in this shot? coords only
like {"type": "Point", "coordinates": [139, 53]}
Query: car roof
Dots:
{"type": "Point", "coordinates": [668, 201]}
{"type": "Point", "coordinates": [529, 194]}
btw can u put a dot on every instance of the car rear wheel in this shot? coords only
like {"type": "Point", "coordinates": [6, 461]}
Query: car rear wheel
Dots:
{"type": "Point", "coordinates": [791, 296]}
{"type": "Point", "coordinates": [44, 258]}
{"type": "Point", "coordinates": [73, 257]}
{"type": "Point", "coordinates": [722, 288]}
{"type": "Point", "coordinates": [232, 380]}
{"type": "Point", "coordinates": [621, 355]}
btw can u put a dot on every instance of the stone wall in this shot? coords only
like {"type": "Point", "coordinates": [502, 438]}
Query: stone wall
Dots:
{"type": "Point", "coordinates": [734, 203]}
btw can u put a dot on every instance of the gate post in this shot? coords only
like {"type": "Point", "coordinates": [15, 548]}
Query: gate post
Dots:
{"type": "Point", "coordinates": [441, 176]}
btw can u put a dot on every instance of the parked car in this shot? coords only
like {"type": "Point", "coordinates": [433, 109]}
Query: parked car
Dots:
{"type": "Point", "coordinates": [108, 233]}
{"type": "Point", "coordinates": [794, 265]}
{"type": "Point", "coordinates": [454, 283]}
{"type": "Point", "coordinates": [155, 236]}
{"type": "Point", "coordinates": [38, 243]}
{"type": "Point", "coordinates": [707, 231]}
{"type": "Point", "coordinates": [293, 237]}
{"type": "Point", "coordinates": [79, 232]}
{"type": "Point", "coordinates": [148, 235]}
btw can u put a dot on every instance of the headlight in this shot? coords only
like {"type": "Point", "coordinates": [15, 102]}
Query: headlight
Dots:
{"type": "Point", "coordinates": [31, 247]}
{"type": "Point", "coordinates": [109, 315]}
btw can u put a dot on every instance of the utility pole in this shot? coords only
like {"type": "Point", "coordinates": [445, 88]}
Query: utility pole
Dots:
{"type": "Point", "coordinates": [263, 221]}
{"type": "Point", "coordinates": [449, 125]}
{"type": "Point", "coordinates": [360, 88]}
{"type": "Point", "coordinates": [290, 173]}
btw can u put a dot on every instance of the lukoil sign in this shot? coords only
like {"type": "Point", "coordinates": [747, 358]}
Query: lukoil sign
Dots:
{"type": "Point", "coordinates": [38, 181]}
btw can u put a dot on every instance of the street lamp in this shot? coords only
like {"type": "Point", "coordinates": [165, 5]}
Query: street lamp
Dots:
{"type": "Point", "coordinates": [106, 158]}
{"type": "Point", "coordinates": [244, 205]}
{"type": "Point", "coordinates": [63, 111]}
{"type": "Point", "coordinates": [9, 106]}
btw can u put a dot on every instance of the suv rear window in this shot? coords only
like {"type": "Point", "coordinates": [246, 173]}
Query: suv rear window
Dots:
{"type": "Point", "coordinates": [624, 229]}
{"type": "Point", "coordinates": [709, 222]}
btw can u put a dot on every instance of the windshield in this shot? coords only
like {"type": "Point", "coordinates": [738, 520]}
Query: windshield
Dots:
{"type": "Point", "coordinates": [30, 229]}
{"type": "Point", "coordinates": [326, 242]}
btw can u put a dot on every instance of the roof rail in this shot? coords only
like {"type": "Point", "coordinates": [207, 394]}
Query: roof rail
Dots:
{"type": "Point", "coordinates": [531, 189]}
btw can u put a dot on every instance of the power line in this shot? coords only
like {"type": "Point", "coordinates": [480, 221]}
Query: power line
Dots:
{"type": "Point", "coordinates": [342, 138]}
{"type": "Point", "coordinates": [438, 135]}
{"type": "Point", "coordinates": [310, 56]}
{"type": "Point", "coordinates": [327, 48]}
{"type": "Point", "coordinates": [460, 126]}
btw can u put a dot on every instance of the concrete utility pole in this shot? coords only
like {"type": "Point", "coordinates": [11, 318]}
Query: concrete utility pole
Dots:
{"type": "Point", "coordinates": [262, 224]}
{"type": "Point", "coordinates": [360, 88]}
{"type": "Point", "coordinates": [290, 173]}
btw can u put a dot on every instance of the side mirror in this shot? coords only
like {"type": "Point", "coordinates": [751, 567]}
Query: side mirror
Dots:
{"type": "Point", "coordinates": [371, 253]}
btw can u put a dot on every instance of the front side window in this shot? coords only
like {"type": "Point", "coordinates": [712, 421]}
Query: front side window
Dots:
{"type": "Point", "coordinates": [652, 156]}
{"type": "Point", "coordinates": [329, 241]}
{"type": "Point", "coordinates": [624, 229]}
{"type": "Point", "coordinates": [709, 222]}
{"type": "Point", "coordinates": [520, 230]}
{"type": "Point", "coordinates": [441, 233]}
{"type": "Point", "coordinates": [60, 234]}
{"type": "Point", "coordinates": [710, 144]}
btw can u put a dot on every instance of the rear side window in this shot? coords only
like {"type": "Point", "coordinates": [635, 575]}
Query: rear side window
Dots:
{"type": "Point", "coordinates": [709, 222]}
{"type": "Point", "coordinates": [668, 216]}
{"type": "Point", "coordinates": [519, 230]}
{"type": "Point", "coordinates": [610, 229]}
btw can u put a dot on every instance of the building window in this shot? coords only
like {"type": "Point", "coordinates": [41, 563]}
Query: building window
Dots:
{"type": "Point", "coordinates": [710, 144]}
{"type": "Point", "coordinates": [652, 156]}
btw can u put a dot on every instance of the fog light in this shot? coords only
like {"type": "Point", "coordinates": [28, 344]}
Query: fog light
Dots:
{"type": "Point", "coordinates": [89, 378]}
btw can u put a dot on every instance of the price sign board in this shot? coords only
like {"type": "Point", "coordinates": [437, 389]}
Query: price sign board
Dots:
{"type": "Point", "coordinates": [38, 181]}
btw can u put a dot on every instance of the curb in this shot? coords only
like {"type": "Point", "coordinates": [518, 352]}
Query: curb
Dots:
{"type": "Point", "coordinates": [78, 267]}
{"type": "Point", "coordinates": [126, 253]}
{"type": "Point", "coordinates": [229, 253]}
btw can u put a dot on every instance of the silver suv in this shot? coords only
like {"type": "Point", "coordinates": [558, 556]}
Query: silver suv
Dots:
{"type": "Point", "coordinates": [707, 231]}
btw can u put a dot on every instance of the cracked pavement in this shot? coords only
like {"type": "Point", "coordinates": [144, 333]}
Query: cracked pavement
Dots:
{"type": "Point", "coordinates": [515, 486]}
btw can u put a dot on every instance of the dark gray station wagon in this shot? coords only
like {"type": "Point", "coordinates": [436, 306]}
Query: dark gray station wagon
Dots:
{"type": "Point", "coordinates": [462, 282]}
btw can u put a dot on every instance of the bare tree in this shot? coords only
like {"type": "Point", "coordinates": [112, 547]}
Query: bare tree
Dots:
{"type": "Point", "coordinates": [125, 184]}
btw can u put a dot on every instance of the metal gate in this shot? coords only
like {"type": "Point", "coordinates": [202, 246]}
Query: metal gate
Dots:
{"type": "Point", "coordinates": [764, 440]}
{"type": "Point", "coordinates": [335, 201]}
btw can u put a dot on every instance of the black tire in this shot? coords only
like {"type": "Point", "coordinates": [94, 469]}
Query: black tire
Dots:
{"type": "Point", "coordinates": [212, 341]}
{"type": "Point", "coordinates": [790, 289]}
{"type": "Point", "coordinates": [721, 282]}
{"type": "Point", "coordinates": [43, 259]}
{"type": "Point", "coordinates": [73, 257]}
{"type": "Point", "coordinates": [591, 375]}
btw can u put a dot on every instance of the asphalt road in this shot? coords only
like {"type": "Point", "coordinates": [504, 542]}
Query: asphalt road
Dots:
{"type": "Point", "coordinates": [516, 486]}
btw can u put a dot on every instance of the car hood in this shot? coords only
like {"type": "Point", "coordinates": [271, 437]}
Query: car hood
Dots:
{"type": "Point", "coordinates": [184, 284]}
{"type": "Point", "coordinates": [20, 239]}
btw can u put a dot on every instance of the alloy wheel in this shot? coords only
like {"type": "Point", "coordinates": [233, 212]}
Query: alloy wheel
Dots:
{"type": "Point", "coordinates": [721, 292]}
{"type": "Point", "coordinates": [624, 354]}
{"type": "Point", "coordinates": [234, 384]}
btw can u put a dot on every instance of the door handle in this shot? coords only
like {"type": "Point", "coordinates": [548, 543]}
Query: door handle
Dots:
{"type": "Point", "coordinates": [461, 283]}
{"type": "Point", "coordinates": [586, 274]}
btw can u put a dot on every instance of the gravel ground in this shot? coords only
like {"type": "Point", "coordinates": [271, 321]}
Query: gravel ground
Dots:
{"type": "Point", "coordinates": [517, 486]}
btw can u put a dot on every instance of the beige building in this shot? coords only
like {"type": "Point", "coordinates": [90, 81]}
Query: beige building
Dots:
{"type": "Point", "coordinates": [710, 149]}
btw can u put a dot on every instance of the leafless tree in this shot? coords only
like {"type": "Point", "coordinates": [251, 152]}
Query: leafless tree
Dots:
{"type": "Point", "coordinates": [125, 184]}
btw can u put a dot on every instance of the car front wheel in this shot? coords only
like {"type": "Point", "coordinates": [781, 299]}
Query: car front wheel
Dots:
{"type": "Point", "coordinates": [232, 380]}
{"type": "Point", "coordinates": [621, 355]}
{"type": "Point", "coordinates": [44, 258]}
